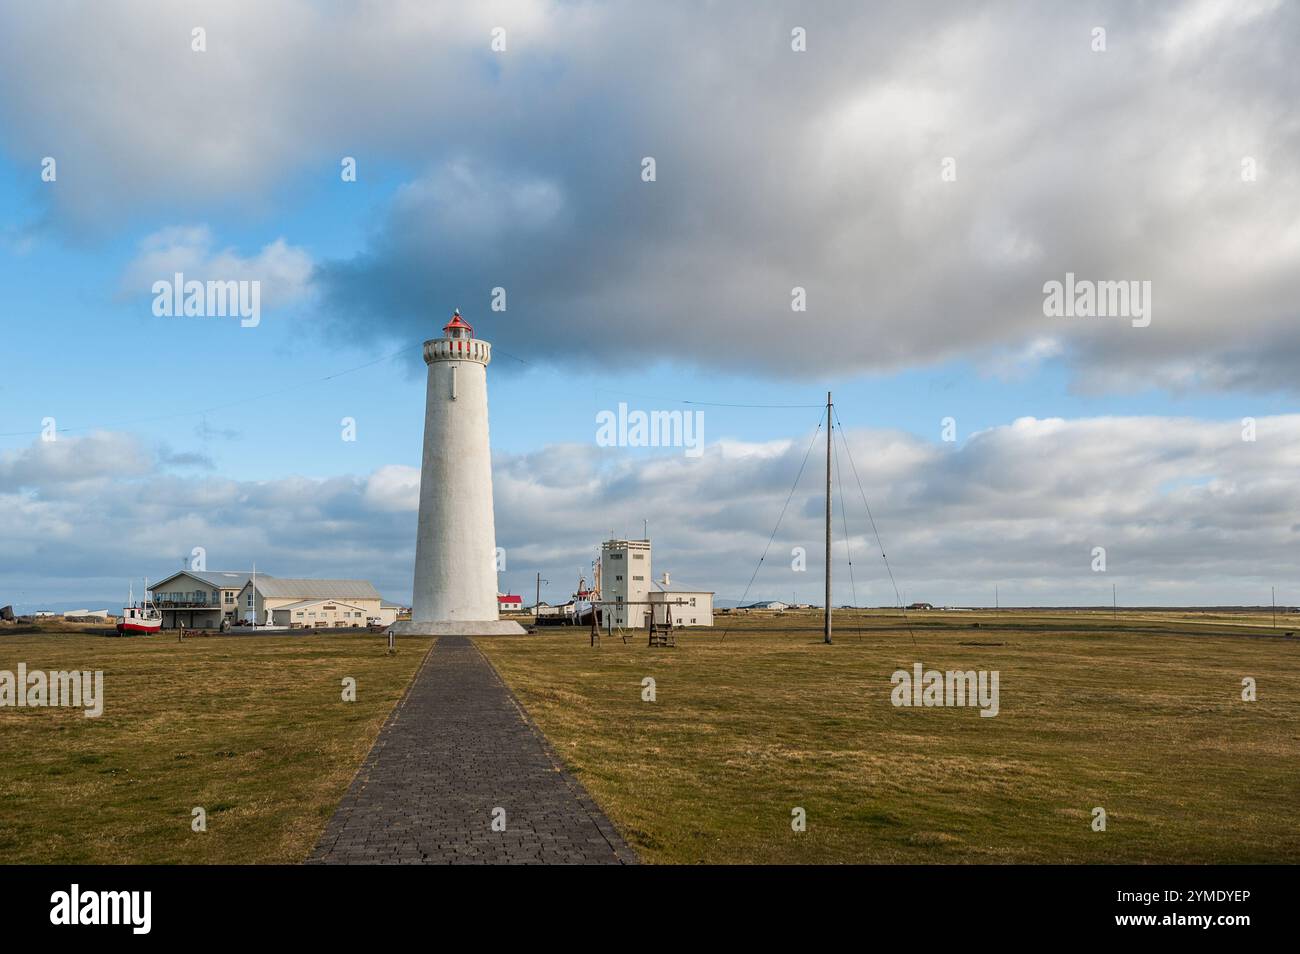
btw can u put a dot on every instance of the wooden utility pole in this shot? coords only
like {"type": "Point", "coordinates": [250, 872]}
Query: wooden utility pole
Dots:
{"type": "Point", "coordinates": [830, 425]}
{"type": "Point", "coordinates": [1273, 590]}
{"type": "Point", "coordinates": [537, 603]}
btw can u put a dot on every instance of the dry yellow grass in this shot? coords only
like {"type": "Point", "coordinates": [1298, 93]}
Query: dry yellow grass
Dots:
{"type": "Point", "coordinates": [252, 729]}
{"type": "Point", "coordinates": [1143, 717]}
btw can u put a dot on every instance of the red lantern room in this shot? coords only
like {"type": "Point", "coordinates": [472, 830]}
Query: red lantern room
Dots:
{"type": "Point", "coordinates": [458, 328]}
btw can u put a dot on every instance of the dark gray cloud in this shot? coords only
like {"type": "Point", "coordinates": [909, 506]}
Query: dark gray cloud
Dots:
{"type": "Point", "coordinates": [776, 169]}
{"type": "Point", "coordinates": [822, 170]}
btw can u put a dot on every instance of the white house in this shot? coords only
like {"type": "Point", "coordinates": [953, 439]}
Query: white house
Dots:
{"type": "Point", "coordinates": [509, 603]}
{"type": "Point", "coordinates": [199, 599]}
{"type": "Point", "coordinates": [312, 603]}
{"type": "Point", "coordinates": [689, 607]}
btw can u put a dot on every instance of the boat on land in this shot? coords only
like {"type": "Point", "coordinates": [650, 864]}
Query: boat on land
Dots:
{"type": "Point", "coordinates": [572, 613]}
{"type": "Point", "coordinates": [139, 618]}
{"type": "Point", "coordinates": [579, 611]}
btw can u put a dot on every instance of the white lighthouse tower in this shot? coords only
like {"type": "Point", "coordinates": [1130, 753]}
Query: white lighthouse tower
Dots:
{"type": "Point", "coordinates": [455, 547]}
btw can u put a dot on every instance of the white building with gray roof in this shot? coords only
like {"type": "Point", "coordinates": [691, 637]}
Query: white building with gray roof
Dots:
{"type": "Point", "coordinates": [206, 599]}
{"type": "Point", "coordinates": [314, 603]}
{"type": "Point", "coordinates": [688, 606]}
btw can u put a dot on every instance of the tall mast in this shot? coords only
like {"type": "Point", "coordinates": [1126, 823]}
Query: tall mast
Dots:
{"type": "Point", "coordinates": [826, 636]}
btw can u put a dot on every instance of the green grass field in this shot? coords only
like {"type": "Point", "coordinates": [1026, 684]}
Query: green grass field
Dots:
{"type": "Point", "coordinates": [253, 730]}
{"type": "Point", "coordinates": [1143, 718]}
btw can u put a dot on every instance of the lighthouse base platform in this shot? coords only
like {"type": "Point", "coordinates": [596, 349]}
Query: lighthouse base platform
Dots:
{"type": "Point", "coordinates": [458, 627]}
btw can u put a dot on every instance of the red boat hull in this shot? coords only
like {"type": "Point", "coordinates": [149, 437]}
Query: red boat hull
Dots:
{"type": "Point", "coordinates": [138, 628]}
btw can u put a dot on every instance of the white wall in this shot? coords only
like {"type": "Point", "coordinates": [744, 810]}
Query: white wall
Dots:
{"type": "Point", "coordinates": [620, 559]}
{"type": "Point", "coordinates": [455, 550]}
{"type": "Point", "coordinates": [701, 614]}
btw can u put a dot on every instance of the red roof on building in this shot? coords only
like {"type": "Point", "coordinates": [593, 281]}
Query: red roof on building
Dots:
{"type": "Point", "coordinates": [510, 599]}
{"type": "Point", "coordinates": [457, 322]}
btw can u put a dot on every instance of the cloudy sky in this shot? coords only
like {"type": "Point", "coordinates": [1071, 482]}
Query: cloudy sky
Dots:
{"type": "Point", "coordinates": [867, 198]}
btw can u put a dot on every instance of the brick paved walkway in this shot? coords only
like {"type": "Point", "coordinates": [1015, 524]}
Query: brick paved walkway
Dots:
{"type": "Point", "coordinates": [456, 747]}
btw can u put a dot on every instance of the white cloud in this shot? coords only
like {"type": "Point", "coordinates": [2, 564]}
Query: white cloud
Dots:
{"type": "Point", "coordinates": [283, 270]}
{"type": "Point", "coordinates": [1191, 28]}
{"type": "Point", "coordinates": [394, 488]}
{"type": "Point", "coordinates": [1187, 511]}
{"type": "Point", "coordinates": [51, 465]}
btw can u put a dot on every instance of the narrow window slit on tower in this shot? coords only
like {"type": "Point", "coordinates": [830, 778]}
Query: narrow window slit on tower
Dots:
{"type": "Point", "coordinates": [453, 382]}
